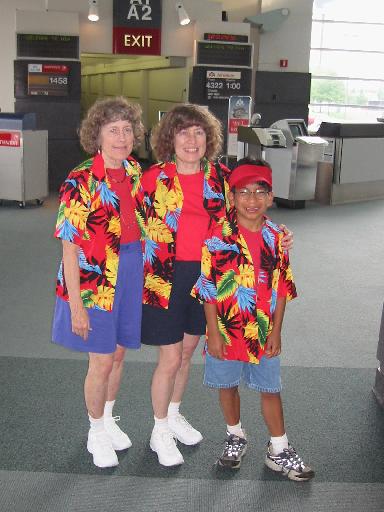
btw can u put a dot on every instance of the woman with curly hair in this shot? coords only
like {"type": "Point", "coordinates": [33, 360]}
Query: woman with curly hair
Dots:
{"type": "Point", "coordinates": [180, 199]}
{"type": "Point", "coordinates": [99, 283]}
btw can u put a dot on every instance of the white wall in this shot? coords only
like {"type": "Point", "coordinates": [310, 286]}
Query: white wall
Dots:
{"type": "Point", "coordinates": [31, 16]}
{"type": "Point", "coordinates": [238, 10]}
{"type": "Point", "coordinates": [291, 41]}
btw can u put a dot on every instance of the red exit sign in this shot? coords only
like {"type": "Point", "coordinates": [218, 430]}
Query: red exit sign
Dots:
{"type": "Point", "coordinates": [136, 41]}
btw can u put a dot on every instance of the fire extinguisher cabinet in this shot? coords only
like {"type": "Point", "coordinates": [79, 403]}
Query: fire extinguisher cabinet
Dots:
{"type": "Point", "coordinates": [23, 159]}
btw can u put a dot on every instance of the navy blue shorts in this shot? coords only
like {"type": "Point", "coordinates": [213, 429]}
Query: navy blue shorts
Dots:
{"type": "Point", "coordinates": [184, 314]}
{"type": "Point", "coordinates": [122, 325]}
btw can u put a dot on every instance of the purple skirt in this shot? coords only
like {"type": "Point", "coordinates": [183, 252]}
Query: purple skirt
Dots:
{"type": "Point", "coordinates": [122, 325]}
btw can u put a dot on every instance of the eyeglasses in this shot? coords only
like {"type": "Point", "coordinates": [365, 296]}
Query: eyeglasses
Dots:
{"type": "Point", "coordinates": [245, 193]}
{"type": "Point", "coordinates": [116, 132]}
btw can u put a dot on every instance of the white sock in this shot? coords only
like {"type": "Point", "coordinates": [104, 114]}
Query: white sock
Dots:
{"type": "Point", "coordinates": [108, 408]}
{"type": "Point", "coordinates": [97, 424]}
{"type": "Point", "coordinates": [173, 408]}
{"type": "Point", "coordinates": [279, 444]}
{"type": "Point", "coordinates": [236, 430]}
{"type": "Point", "coordinates": [161, 423]}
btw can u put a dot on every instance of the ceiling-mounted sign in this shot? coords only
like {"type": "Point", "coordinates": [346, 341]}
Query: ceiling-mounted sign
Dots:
{"type": "Point", "coordinates": [229, 38]}
{"type": "Point", "coordinates": [137, 27]}
{"type": "Point", "coordinates": [224, 54]}
{"type": "Point", "coordinates": [45, 45]}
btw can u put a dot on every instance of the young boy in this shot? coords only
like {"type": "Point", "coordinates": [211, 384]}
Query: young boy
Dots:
{"type": "Point", "coordinates": [245, 282]}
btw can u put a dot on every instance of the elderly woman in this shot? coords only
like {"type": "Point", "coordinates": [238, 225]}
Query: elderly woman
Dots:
{"type": "Point", "coordinates": [99, 284]}
{"type": "Point", "coordinates": [181, 198]}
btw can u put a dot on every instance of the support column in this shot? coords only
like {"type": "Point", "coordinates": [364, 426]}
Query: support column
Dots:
{"type": "Point", "coordinates": [378, 388]}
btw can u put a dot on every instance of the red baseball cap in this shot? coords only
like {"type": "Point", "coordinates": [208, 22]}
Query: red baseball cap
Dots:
{"type": "Point", "coordinates": [247, 173]}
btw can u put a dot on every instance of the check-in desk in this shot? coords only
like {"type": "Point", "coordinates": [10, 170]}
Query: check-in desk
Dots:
{"type": "Point", "coordinates": [353, 167]}
{"type": "Point", "coordinates": [23, 159]}
{"type": "Point", "coordinates": [292, 154]}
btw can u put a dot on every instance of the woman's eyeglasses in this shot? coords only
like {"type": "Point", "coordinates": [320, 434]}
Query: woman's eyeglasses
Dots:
{"type": "Point", "coordinates": [116, 132]}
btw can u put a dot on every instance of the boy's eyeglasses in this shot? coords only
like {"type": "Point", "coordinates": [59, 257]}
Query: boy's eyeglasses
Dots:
{"type": "Point", "coordinates": [245, 193]}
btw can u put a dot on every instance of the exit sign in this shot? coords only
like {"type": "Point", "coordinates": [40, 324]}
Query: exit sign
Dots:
{"type": "Point", "coordinates": [137, 27]}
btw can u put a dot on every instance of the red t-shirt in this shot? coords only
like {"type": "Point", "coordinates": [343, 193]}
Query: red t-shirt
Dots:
{"type": "Point", "coordinates": [194, 219]}
{"type": "Point", "coordinates": [120, 184]}
{"type": "Point", "coordinates": [254, 242]}
{"type": "Point", "coordinates": [253, 239]}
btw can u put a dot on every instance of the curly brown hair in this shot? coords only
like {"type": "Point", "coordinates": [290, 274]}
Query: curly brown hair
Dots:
{"type": "Point", "coordinates": [105, 111]}
{"type": "Point", "coordinates": [179, 118]}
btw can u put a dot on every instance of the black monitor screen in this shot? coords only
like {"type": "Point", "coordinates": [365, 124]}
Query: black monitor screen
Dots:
{"type": "Point", "coordinates": [297, 129]}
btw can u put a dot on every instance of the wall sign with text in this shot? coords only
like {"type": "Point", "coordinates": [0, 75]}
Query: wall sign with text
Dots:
{"type": "Point", "coordinates": [239, 114]}
{"type": "Point", "coordinates": [47, 79]}
{"type": "Point", "coordinates": [137, 27]}
{"type": "Point", "coordinates": [221, 85]}
{"type": "Point", "coordinates": [10, 139]}
{"type": "Point", "coordinates": [216, 84]}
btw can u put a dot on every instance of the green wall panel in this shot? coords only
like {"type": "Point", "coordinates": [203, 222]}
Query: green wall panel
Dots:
{"type": "Point", "coordinates": [168, 84]}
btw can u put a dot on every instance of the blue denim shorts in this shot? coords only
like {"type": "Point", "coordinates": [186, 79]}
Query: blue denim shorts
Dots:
{"type": "Point", "coordinates": [263, 377]}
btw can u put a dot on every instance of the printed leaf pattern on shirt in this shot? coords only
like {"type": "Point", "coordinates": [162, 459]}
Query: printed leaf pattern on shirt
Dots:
{"type": "Point", "coordinates": [245, 303]}
{"type": "Point", "coordinates": [158, 206]}
{"type": "Point", "coordinates": [111, 266]}
{"type": "Point", "coordinates": [226, 286]}
{"type": "Point", "coordinates": [158, 231]}
{"type": "Point", "coordinates": [89, 216]}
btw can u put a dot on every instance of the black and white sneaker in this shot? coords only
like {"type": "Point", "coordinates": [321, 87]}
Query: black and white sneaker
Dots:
{"type": "Point", "coordinates": [234, 450]}
{"type": "Point", "coordinates": [289, 463]}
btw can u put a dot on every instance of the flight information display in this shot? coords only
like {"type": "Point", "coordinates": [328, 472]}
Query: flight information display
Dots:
{"type": "Point", "coordinates": [48, 79]}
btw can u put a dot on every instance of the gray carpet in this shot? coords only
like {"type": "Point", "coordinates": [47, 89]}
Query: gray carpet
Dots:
{"type": "Point", "coordinates": [329, 347]}
{"type": "Point", "coordinates": [329, 417]}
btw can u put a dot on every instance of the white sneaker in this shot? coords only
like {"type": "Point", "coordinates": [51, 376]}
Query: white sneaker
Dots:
{"type": "Point", "coordinates": [119, 439]}
{"type": "Point", "coordinates": [163, 443]}
{"type": "Point", "coordinates": [183, 430]}
{"type": "Point", "coordinates": [104, 456]}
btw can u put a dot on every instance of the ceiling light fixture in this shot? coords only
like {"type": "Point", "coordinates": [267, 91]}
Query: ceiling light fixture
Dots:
{"type": "Point", "coordinates": [184, 19]}
{"type": "Point", "coordinates": [93, 13]}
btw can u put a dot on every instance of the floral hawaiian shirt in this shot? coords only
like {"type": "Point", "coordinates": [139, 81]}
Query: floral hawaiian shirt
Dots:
{"type": "Point", "coordinates": [245, 303]}
{"type": "Point", "coordinates": [89, 216]}
{"type": "Point", "coordinates": [159, 203]}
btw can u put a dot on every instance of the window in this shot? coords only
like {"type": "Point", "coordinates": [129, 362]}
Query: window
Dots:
{"type": "Point", "coordinates": [347, 61]}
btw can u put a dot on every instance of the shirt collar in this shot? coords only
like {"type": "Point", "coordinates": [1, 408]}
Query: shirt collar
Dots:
{"type": "Point", "coordinates": [98, 167]}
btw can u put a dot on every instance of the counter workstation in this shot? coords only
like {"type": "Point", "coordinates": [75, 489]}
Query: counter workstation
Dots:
{"type": "Point", "coordinates": [292, 154]}
{"type": "Point", "coordinates": [353, 167]}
